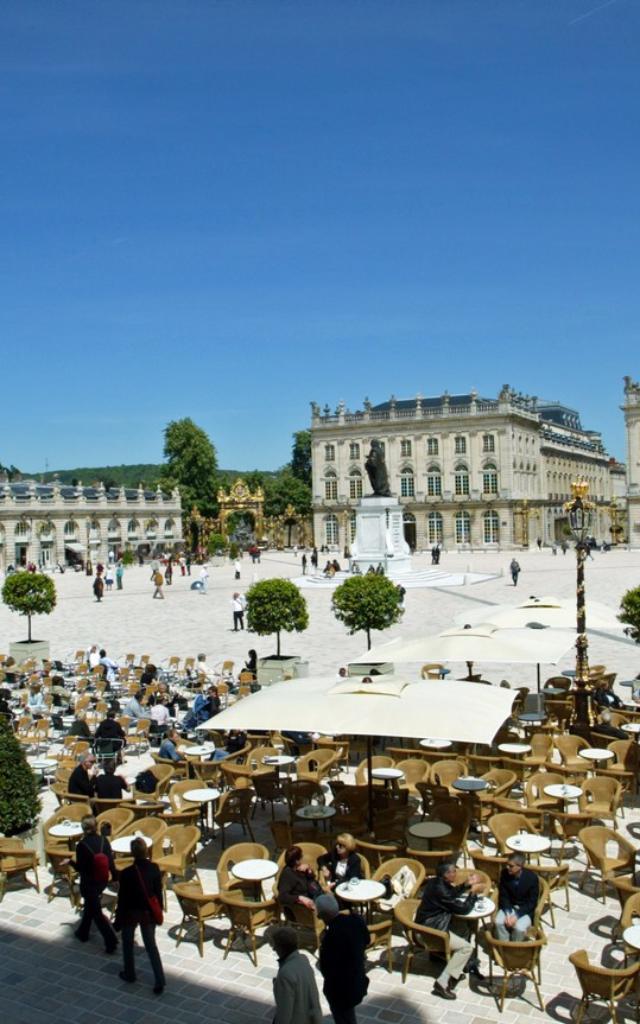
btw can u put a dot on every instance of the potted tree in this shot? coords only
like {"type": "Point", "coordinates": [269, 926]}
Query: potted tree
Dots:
{"type": "Point", "coordinates": [29, 593]}
{"type": "Point", "coordinates": [364, 603]}
{"type": "Point", "coordinates": [630, 613]}
{"type": "Point", "coordinates": [274, 606]}
{"type": "Point", "coordinates": [217, 545]}
{"type": "Point", "coordinates": [19, 801]}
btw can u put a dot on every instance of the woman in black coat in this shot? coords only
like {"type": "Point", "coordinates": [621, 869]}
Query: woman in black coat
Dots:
{"type": "Point", "coordinates": [297, 883]}
{"type": "Point", "coordinates": [137, 883]}
{"type": "Point", "coordinates": [342, 863]}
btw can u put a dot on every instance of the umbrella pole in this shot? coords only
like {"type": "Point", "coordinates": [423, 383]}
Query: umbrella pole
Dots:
{"type": "Point", "coordinates": [370, 783]}
{"type": "Point", "coordinates": [538, 675]}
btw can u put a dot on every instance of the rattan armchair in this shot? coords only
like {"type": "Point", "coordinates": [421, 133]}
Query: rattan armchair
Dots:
{"type": "Point", "coordinates": [419, 938]}
{"type": "Point", "coordinates": [603, 984]}
{"type": "Point", "coordinates": [516, 959]}
{"type": "Point", "coordinates": [595, 839]}
{"type": "Point", "coordinates": [246, 917]}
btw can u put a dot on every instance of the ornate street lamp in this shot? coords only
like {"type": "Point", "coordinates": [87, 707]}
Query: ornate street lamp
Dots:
{"type": "Point", "coordinates": [579, 511]}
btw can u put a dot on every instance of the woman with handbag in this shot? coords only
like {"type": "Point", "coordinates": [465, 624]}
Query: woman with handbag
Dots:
{"type": "Point", "coordinates": [140, 903]}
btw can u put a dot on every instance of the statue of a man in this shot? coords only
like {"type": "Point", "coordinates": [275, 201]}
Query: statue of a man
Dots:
{"type": "Point", "coordinates": [377, 471]}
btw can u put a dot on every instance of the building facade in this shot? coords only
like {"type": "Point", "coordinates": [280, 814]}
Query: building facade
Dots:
{"type": "Point", "coordinates": [471, 472]}
{"type": "Point", "coordinates": [49, 524]}
{"type": "Point", "coordinates": [631, 410]}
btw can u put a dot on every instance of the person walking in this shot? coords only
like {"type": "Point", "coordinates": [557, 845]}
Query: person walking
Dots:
{"type": "Point", "coordinates": [236, 568]}
{"type": "Point", "coordinates": [108, 577]}
{"type": "Point", "coordinates": [294, 987]}
{"type": "Point", "coordinates": [304, 565]}
{"type": "Point", "coordinates": [238, 606]}
{"type": "Point", "coordinates": [204, 579]}
{"type": "Point", "coordinates": [94, 863]}
{"type": "Point", "coordinates": [98, 588]}
{"type": "Point", "coordinates": [168, 573]}
{"type": "Point", "coordinates": [158, 580]}
{"type": "Point", "coordinates": [140, 905]}
{"type": "Point", "coordinates": [119, 575]}
{"type": "Point", "coordinates": [514, 569]}
{"type": "Point", "coordinates": [187, 563]}
{"type": "Point", "coordinates": [341, 960]}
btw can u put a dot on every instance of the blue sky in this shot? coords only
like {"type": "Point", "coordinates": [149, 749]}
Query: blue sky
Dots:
{"type": "Point", "coordinates": [228, 209]}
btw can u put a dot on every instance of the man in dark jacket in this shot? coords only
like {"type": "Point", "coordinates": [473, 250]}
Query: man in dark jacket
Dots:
{"type": "Point", "coordinates": [110, 786]}
{"type": "Point", "coordinates": [81, 779]}
{"type": "Point", "coordinates": [137, 883]}
{"type": "Point", "coordinates": [518, 895]}
{"type": "Point", "coordinates": [341, 962]}
{"type": "Point", "coordinates": [603, 727]}
{"type": "Point", "coordinates": [443, 906]}
{"type": "Point", "coordinates": [91, 889]}
{"type": "Point", "coordinates": [110, 734]}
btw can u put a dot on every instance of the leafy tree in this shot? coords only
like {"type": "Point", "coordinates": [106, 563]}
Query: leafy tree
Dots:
{"type": "Point", "coordinates": [630, 614]}
{"type": "Point", "coordinates": [301, 456]}
{"type": "Point", "coordinates": [19, 802]}
{"type": "Point", "coordinates": [217, 543]}
{"type": "Point", "coordinates": [29, 593]}
{"type": "Point", "coordinates": [366, 603]}
{"type": "Point", "coordinates": [286, 489]}
{"type": "Point", "coordinates": [128, 557]}
{"type": "Point", "coordinates": [276, 605]}
{"type": "Point", "coordinates": [191, 465]}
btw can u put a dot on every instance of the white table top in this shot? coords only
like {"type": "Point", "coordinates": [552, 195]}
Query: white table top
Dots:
{"type": "Point", "coordinates": [514, 748]}
{"type": "Point", "coordinates": [201, 796]}
{"type": "Point", "coordinates": [564, 792]}
{"type": "Point", "coordinates": [527, 843]}
{"type": "Point", "coordinates": [41, 763]}
{"type": "Point", "coordinates": [206, 748]}
{"type": "Point", "coordinates": [631, 727]}
{"type": "Point", "coordinates": [254, 870]}
{"type": "Point", "coordinates": [596, 754]}
{"type": "Point", "coordinates": [66, 830]}
{"type": "Point", "coordinates": [315, 811]}
{"type": "Point", "coordinates": [483, 908]}
{"type": "Point", "coordinates": [365, 890]}
{"type": "Point", "coordinates": [469, 784]}
{"type": "Point", "coordinates": [632, 936]}
{"type": "Point", "coordinates": [123, 843]}
{"type": "Point", "coordinates": [430, 829]}
{"type": "Point", "coordinates": [387, 773]}
{"type": "Point", "coordinates": [433, 744]}
{"type": "Point", "coordinates": [279, 760]}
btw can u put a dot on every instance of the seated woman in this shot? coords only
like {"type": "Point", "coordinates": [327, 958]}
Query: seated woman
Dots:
{"type": "Point", "coordinates": [297, 884]}
{"type": "Point", "coordinates": [251, 664]}
{"type": "Point", "coordinates": [341, 864]}
{"type": "Point", "coordinates": [79, 727]}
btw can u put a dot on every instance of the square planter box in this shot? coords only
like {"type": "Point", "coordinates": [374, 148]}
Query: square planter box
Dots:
{"type": "Point", "coordinates": [365, 668]}
{"type": "Point", "coordinates": [25, 650]}
{"type": "Point", "coordinates": [274, 669]}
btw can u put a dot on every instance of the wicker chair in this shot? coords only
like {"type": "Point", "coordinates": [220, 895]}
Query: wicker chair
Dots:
{"type": "Point", "coordinates": [380, 922]}
{"type": "Point", "coordinates": [601, 798]}
{"type": "Point", "coordinates": [595, 839]}
{"type": "Point", "coordinates": [516, 959]}
{"type": "Point", "coordinates": [234, 808]}
{"type": "Point", "coordinates": [419, 938]}
{"type": "Point", "coordinates": [603, 984]}
{"type": "Point", "coordinates": [15, 859]}
{"type": "Point", "coordinates": [197, 908]}
{"type": "Point", "coordinates": [245, 917]}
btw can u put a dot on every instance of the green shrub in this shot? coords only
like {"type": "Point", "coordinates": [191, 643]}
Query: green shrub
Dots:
{"type": "Point", "coordinates": [366, 603]}
{"type": "Point", "coordinates": [276, 605]}
{"type": "Point", "coordinates": [29, 593]}
{"type": "Point", "coordinates": [234, 550]}
{"type": "Point", "coordinates": [630, 613]}
{"type": "Point", "coordinates": [19, 801]}
{"type": "Point", "coordinates": [128, 557]}
{"type": "Point", "coordinates": [217, 544]}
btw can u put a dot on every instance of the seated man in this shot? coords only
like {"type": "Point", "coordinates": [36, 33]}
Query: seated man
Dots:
{"type": "Point", "coordinates": [110, 786]}
{"type": "Point", "coordinates": [133, 708]}
{"type": "Point", "coordinates": [518, 895]}
{"type": "Point", "coordinates": [81, 781]}
{"type": "Point", "coordinates": [443, 906]}
{"type": "Point", "coordinates": [604, 696]}
{"type": "Point", "coordinates": [169, 747]}
{"type": "Point", "coordinates": [111, 734]}
{"type": "Point", "coordinates": [111, 667]}
{"type": "Point", "coordinates": [605, 728]}
{"type": "Point", "coordinates": [79, 727]}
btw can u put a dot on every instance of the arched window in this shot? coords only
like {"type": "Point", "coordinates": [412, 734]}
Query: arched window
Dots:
{"type": "Point", "coordinates": [491, 527]}
{"type": "Point", "coordinates": [70, 528]}
{"type": "Point", "coordinates": [331, 487]}
{"type": "Point", "coordinates": [113, 528]}
{"type": "Point", "coordinates": [329, 453]}
{"type": "Point", "coordinates": [434, 482]}
{"type": "Point", "coordinates": [434, 528]}
{"type": "Point", "coordinates": [132, 528]}
{"type": "Point", "coordinates": [461, 480]}
{"type": "Point", "coordinates": [407, 485]}
{"type": "Point", "coordinates": [168, 527]}
{"type": "Point", "coordinates": [490, 479]}
{"type": "Point", "coordinates": [151, 528]}
{"type": "Point", "coordinates": [463, 528]}
{"type": "Point", "coordinates": [355, 484]}
{"type": "Point", "coordinates": [331, 530]}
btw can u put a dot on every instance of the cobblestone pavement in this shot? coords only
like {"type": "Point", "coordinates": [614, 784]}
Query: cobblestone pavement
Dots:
{"type": "Point", "coordinates": [46, 976]}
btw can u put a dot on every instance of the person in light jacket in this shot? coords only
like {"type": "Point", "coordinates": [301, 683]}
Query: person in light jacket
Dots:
{"type": "Point", "coordinates": [294, 987]}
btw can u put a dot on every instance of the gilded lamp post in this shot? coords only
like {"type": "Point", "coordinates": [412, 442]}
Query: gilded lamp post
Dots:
{"type": "Point", "coordinates": [579, 511]}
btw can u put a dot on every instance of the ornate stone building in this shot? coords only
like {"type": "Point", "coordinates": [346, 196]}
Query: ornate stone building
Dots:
{"type": "Point", "coordinates": [50, 523]}
{"type": "Point", "coordinates": [631, 409]}
{"type": "Point", "coordinates": [471, 472]}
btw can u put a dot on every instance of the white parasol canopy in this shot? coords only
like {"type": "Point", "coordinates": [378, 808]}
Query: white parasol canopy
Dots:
{"type": "Point", "coordinates": [484, 642]}
{"type": "Point", "coordinates": [458, 711]}
{"type": "Point", "coordinates": [556, 612]}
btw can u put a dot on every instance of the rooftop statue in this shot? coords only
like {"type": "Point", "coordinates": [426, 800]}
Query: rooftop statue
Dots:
{"type": "Point", "coordinates": [376, 469]}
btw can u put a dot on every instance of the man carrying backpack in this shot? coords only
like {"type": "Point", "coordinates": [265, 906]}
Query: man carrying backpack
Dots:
{"type": "Point", "coordinates": [94, 863]}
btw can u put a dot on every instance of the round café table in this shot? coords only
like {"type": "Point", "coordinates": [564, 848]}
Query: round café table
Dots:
{"type": "Point", "coordinates": [255, 870]}
{"type": "Point", "coordinates": [632, 936]}
{"type": "Point", "coordinates": [278, 760]}
{"type": "Point", "coordinates": [202, 750]}
{"type": "Point", "coordinates": [205, 797]}
{"type": "Point", "coordinates": [527, 843]}
{"type": "Point", "coordinates": [435, 744]}
{"type": "Point", "coordinates": [570, 673]}
{"type": "Point", "coordinates": [483, 907]}
{"type": "Point", "coordinates": [388, 774]}
{"type": "Point", "coordinates": [429, 830]}
{"type": "Point", "coordinates": [123, 843]}
{"type": "Point", "coordinates": [633, 727]}
{"type": "Point", "coordinates": [362, 891]}
{"type": "Point", "coordinates": [596, 754]}
{"type": "Point", "coordinates": [553, 691]}
{"type": "Point", "coordinates": [560, 791]}
{"type": "Point", "coordinates": [470, 784]}
{"type": "Point", "coordinates": [316, 812]}
{"type": "Point", "coordinates": [517, 749]}
{"type": "Point", "coordinates": [68, 830]}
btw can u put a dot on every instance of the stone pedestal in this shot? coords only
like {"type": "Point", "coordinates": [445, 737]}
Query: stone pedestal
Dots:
{"type": "Point", "coordinates": [379, 537]}
{"type": "Point", "coordinates": [26, 650]}
{"type": "Point", "coordinates": [275, 669]}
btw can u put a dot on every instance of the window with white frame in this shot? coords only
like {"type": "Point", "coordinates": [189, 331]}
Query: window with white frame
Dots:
{"type": "Point", "coordinates": [463, 528]}
{"type": "Point", "coordinates": [407, 484]}
{"type": "Point", "coordinates": [491, 527]}
{"type": "Point", "coordinates": [434, 482]}
{"type": "Point", "coordinates": [405, 449]}
{"type": "Point", "coordinates": [432, 446]}
{"type": "Point", "coordinates": [168, 527]}
{"type": "Point", "coordinates": [460, 445]}
{"type": "Point", "coordinates": [461, 480]}
{"type": "Point", "coordinates": [434, 528]}
{"type": "Point", "coordinates": [354, 450]}
{"type": "Point", "coordinates": [331, 488]}
{"type": "Point", "coordinates": [329, 453]}
{"type": "Point", "coordinates": [490, 479]}
{"type": "Point", "coordinates": [70, 528]}
{"type": "Point", "coordinates": [22, 529]}
{"type": "Point", "coordinates": [352, 527]}
{"type": "Point", "coordinates": [331, 530]}
{"type": "Point", "coordinates": [355, 484]}
{"type": "Point", "coordinates": [488, 443]}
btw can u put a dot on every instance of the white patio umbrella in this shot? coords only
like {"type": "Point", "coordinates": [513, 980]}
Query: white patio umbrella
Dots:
{"type": "Point", "coordinates": [556, 612]}
{"type": "Point", "coordinates": [482, 642]}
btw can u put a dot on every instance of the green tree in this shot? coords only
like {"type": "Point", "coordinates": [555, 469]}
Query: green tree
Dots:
{"type": "Point", "coordinates": [29, 593]}
{"type": "Point", "coordinates": [286, 489]}
{"type": "Point", "coordinates": [128, 557]}
{"type": "Point", "coordinates": [19, 802]}
{"type": "Point", "coordinates": [364, 603]}
{"type": "Point", "coordinates": [217, 543]}
{"type": "Point", "coordinates": [301, 456]}
{"type": "Point", "coordinates": [276, 605]}
{"type": "Point", "coordinates": [191, 465]}
{"type": "Point", "coordinates": [630, 613]}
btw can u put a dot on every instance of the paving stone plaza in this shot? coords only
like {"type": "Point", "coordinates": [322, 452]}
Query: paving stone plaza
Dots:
{"type": "Point", "coordinates": [46, 976]}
